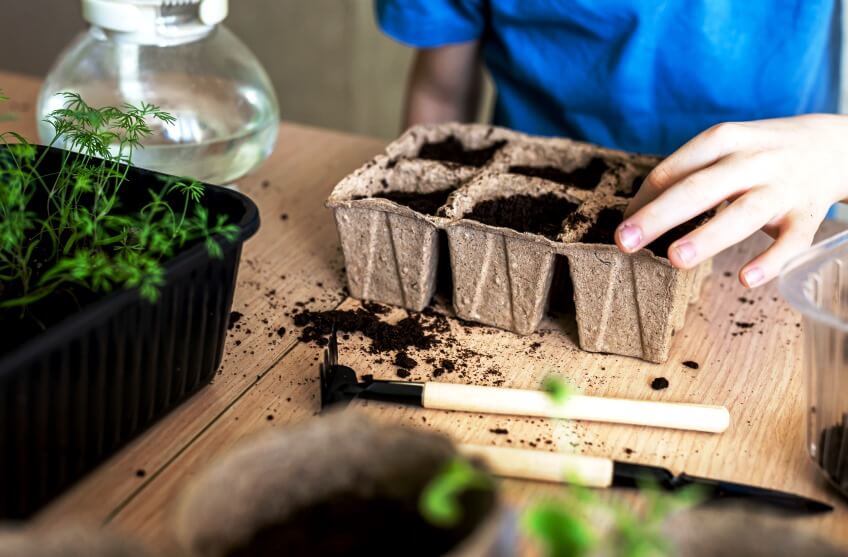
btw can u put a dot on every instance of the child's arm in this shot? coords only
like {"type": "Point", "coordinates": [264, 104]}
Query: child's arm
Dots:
{"type": "Point", "coordinates": [444, 85]}
{"type": "Point", "coordinates": [780, 176]}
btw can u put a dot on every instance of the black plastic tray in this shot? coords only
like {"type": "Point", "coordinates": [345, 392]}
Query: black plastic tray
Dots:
{"type": "Point", "coordinates": [72, 396]}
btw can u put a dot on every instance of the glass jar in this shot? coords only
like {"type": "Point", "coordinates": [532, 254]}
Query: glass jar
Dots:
{"type": "Point", "coordinates": [174, 54]}
{"type": "Point", "coordinates": [816, 284]}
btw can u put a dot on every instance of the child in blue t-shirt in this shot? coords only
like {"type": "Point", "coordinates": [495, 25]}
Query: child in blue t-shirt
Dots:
{"type": "Point", "coordinates": [721, 85]}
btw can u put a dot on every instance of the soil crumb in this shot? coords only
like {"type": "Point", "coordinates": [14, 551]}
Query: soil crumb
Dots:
{"type": "Point", "coordinates": [499, 431]}
{"type": "Point", "coordinates": [659, 383]}
{"type": "Point", "coordinates": [403, 360]}
{"type": "Point", "coordinates": [542, 215]}
{"type": "Point", "coordinates": [234, 318]}
{"type": "Point", "coordinates": [691, 364]}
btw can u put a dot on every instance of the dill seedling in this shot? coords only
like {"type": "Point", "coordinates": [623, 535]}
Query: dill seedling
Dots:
{"type": "Point", "coordinates": [68, 230]}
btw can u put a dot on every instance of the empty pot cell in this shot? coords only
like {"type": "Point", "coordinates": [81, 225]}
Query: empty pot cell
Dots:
{"type": "Point", "coordinates": [499, 280]}
{"type": "Point", "coordinates": [452, 150]}
{"type": "Point", "coordinates": [625, 304]}
{"type": "Point", "coordinates": [390, 258]}
{"type": "Point", "coordinates": [585, 177]}
{"type": "Point", "coordinates": [543, 214]}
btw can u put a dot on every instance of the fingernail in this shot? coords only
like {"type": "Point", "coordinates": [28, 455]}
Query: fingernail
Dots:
{"type": "Point", "coordinates": [753, 276]}
{"type": "Point", "coordinates": [685, 252]}
{"type": "Point", "coordinates": [629, 235]}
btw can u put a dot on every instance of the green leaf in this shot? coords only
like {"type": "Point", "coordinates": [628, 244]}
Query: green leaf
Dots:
{"type": "Point", "coordinates": [439, 503]}
{"type": "Point", "coordinates": [562, 530]}
{"type": "Point", "coordinates": [557, 388]}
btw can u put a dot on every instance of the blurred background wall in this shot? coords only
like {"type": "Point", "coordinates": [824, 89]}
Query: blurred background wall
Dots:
{"type": "Point", "coordinates": [330, 64]}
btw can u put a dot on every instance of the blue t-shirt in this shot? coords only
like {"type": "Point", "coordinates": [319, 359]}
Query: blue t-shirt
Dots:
{"type": "Point", "coordinates": [641, 75]}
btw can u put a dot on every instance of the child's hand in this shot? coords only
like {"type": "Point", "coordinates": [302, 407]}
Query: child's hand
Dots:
{"type": "Point", "coordinates": [780, 175]}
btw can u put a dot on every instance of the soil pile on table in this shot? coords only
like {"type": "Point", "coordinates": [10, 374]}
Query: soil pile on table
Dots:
{"type": "Point", "coordinates": [525, 213]}
{"type": "Point", "coordinates": [339, 485]}
{"type": "Point", "coordinates": [385, 337]}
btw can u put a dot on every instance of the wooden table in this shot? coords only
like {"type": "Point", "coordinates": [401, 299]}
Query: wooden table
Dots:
{"type": "Point", "coordinates": [269, 381]}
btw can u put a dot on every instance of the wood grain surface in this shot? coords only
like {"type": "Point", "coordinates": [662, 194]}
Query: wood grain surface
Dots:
{"type": "Point", "coordinates": [269, 379]}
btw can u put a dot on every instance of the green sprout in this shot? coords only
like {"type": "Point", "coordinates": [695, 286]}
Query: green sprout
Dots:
{"type": "Point", "coordinates": [80, 235]}
{"type": "Point", "coordinates": [440, 501]}
{"type": "Point", "coordinates": [568, 526]}
{"type": "Point", "coordinates": [557, 388]}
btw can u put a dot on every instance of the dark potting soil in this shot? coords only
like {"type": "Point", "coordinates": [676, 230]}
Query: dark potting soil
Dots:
{"type": "Point", "coordinates": [691, 364]}
{"type": "Point", "coordinates": [660, 245]}
{"type": "Point", "coordinates": [361, 525]}
{"type": "Point", "coordinates": [409, 332]}
{"type": "Point", "coordinates": [403, 360]}
{"type": "Point", "coordinates": [424, 203]}
{"type": "Point", "coordinates": [19, 327]}
{"type": "Point", "coordinates": [833, 452]}
{"type": "Point", "coordinates": [633, 189]}
{"type": "Point", "coordinates": [452, 150]}
{"type": "Point", "coordinates": [524, 213]}
{"type": "Point", "coordinates": [586, 177]}
{"type": "Point", "coordinates": [659, 383]}
{"type": "Point", "coordinates": [603, 230]}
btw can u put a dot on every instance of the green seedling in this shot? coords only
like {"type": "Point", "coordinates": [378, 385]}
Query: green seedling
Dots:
{"type": "Point", "coordinates": [80, 236]}
{"type": "Point", "coordinates": [440, 501]}
{"type": "Point", "coordinates": [568, 526]}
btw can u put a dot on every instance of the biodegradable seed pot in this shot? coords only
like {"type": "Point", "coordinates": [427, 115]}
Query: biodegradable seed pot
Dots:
{"type": "Point", "coordinates": [117, 285]}
{"type": "Point", "coordinates": [339, 485]}
{"type": "Point", "coordinates": [507, 213]}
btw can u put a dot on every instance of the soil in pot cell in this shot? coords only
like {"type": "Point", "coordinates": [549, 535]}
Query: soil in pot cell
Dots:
{"type": "Point", "coordinates": [541, 215]}
{"type": "Point", "coordinates": [424, 203]}
{"type": "Point", "coordinates": [452, 150]}
{"type": "Point", "coordinates": [629, 190]}
{"type": "Point", "coordinates": [586, 177]}
{"type": "Point", "coordinates": [602, 230]}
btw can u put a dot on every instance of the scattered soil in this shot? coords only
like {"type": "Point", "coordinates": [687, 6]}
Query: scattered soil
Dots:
{"type": "Point", "coordinates": [452, 150]}
{"type": "Point", "coordinates": [659, 383]}
{"type": "Point", "coordinates": [691, 365]}
{"type": "Point", "coordinates": [833, 448]}
{"type": "Point", "coordinates": [586, 177]}
{"type": "Point", "coordinates": [402, 373]}
{"type": "Point", "coordinates": [281, 331]}
{"type": "Point", "coordinates": [744, 325]}
{"type": "Point", "coordinates": [542, 215]}
{"type": "Point", "coordinates": [499, 431]}
{"type": "Point", "coordinates": [408, 332]}
{"type": "Point", "coordinates": [424, 203]}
